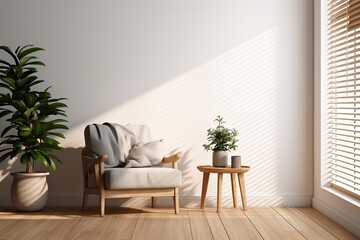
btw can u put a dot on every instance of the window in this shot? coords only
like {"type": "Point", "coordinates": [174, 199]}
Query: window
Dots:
{"type": "Point", "coordinates": [344, 94]}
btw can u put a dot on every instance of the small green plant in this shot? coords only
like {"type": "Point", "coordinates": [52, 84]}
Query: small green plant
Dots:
{"type": "Point", "coordinates": [32, 121]}
{"type": "Point", "coordinates": [221, 138]}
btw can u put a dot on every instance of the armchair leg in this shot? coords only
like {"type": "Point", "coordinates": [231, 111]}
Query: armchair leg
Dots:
{"type": "Point", "coordinates": [153, 202]}
{"type": "Point", "coordinates": [102, 205]}
{"type": "Point", "coordinates": [176, 200]}
{"type": "Point", "coordinates": [85, 200]}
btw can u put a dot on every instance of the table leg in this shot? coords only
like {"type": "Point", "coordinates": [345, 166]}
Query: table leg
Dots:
{"type": "Point", "coordinates": [242, 189]}
{"type": "Point", "coordinates": [204, 189]}
{"type": "Point", "coordinates": [233, 188]}
{"type": "Point", "coordinates": [219, 192]}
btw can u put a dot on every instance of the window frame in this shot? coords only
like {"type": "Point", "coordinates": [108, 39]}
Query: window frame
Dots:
{"type": "Point", "coordinates": [336, 205]}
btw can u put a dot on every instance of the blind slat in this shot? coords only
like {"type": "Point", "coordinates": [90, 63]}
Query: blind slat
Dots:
{"type": "Point", "coordinates": [336, 7]}
{"type": "Point", "coordinates": [348, 102]}
{"type": "Point", "coordinates": [346, 124]}
{"type": "Point", "coordinates": [347, 184]}
{"type": "Point", "coordinates": [346, 157]}
{"type": "Point", "coordinates": [338, 40]}
{"type": "Point", "coordinates": [346, 63]}
{"type": "Point", "coordinates": [345, 167]}
{"type": "Point", "coordinates": [344, 113]}
{"type": "Point", "coordinates": [339, 92]}
{"type": "Point", "coordinates": [348, 130]}
{"type": "Point", "coordinates": [345, 45]}
{"type": "Point", "coordinates": [345, 108]}
{"type": "Point", "coordinates": [344, 97]}
{"type": "Point", "coordinates": [340, 70]}
{"type": "Point", "coordinates": [342, 54]}
{"type": "Point", "coordinates": [346, 135]}
{"type": "Point", "coordinates": [344, 119]}
{"type": "Point", "coordinates": [348, 173]}
{"type": "Point", "coordinates": [341, 150]}
{"type": "Point", "coordinates": [354, 24]}
{"type": "Point", "coordinates": [353, 15]}
{"type": "Point", "coordinates": [343, 140]}
{"type": "Point", "coordinates": [345, 146]}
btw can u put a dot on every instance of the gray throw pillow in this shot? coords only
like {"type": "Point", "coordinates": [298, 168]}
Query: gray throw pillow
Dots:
{"type": "Point", "coordinates": [146, 155]}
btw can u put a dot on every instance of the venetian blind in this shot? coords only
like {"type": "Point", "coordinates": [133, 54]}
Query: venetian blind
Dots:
{"type": "Point", "coordinates": [344, 95]}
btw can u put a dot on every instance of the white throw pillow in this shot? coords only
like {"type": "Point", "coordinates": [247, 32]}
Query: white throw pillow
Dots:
{"type": "Point", "coordinates": [145, 155]}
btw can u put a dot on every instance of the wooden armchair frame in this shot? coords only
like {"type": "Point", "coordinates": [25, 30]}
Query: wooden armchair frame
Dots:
{"type": "Point", "coordinates": [98, 166]}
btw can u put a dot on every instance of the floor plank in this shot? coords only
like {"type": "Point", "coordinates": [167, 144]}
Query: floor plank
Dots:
{"type": "Point", "coordinates": [304, 224]}
{"type": "Point", "coordinates": [17, 225]}
{"type": "Point", "coordinates": [237, 225]}
{"type": "Point", "coordinates": [271, 225]}
{"type": "Point", "coordinates": [216, 226]}
{"type": "Point", "coordinates": [120, 223]}
{"type": "Point", "coordinates": [331, 226]}
{"type": "Point", "coordinates": [200, 228]}
{"type": "Point", "coordinates": [162, 224]}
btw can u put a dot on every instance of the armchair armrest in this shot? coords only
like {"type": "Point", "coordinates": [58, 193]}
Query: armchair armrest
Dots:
{"type": "Point", "coordinates": [172, 159]}
{"type": "Point", "coordinates": [89, 161]}
{"type": "Point", "coordinates": [96, 165]}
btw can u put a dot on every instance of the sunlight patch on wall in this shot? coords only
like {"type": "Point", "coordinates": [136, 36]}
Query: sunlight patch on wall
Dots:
{"type": "Point", "coordinates": [241, 85]}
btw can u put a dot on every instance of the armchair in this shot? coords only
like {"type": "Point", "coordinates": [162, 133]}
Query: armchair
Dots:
{"type": "Point", "coordinates": [120, 161]}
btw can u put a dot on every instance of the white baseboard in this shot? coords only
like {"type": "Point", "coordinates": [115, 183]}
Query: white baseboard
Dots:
{"type": "Point", "coordinates": [342, 219]}
{"type": "Point", "coordinates": [185, 201]}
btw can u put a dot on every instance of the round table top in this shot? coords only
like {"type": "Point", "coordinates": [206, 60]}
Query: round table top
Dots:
{"type": "Point", "coordinates": [227, 169]}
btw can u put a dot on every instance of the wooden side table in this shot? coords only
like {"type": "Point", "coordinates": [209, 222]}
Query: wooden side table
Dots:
{"type": "Point", "coordinates": [207, 169]}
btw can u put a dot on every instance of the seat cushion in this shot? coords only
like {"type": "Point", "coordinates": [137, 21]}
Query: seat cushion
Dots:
{"type": "Point", "coordinates": [142, 178]}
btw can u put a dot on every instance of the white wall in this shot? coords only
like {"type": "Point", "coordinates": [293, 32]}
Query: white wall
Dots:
{"type": "Point", "coordinates": [175, 65]}
{"type": "Point", "coordinates": [336, 205]}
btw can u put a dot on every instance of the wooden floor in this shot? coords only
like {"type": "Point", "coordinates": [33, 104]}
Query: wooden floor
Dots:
{"type": "Point", "coordinates": [148, 223]}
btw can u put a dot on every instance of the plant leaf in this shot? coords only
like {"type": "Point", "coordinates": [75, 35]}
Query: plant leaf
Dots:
{"type": "Point", "coordinates": [20, 106]}
{"type": "Point", "coordinates": [55, 157]}
{"type": "Point", "coordinates": [25, 60]}
{"type": "Point", "coordinates": [26, 80]}
{"type": "Point", "coordinates": [24, 131]}
{"type": "Point", "coordinates": [8, 50]}
{"type": "Point", "coordinates": [25, 158]}
{"type": "Point", "coordinates": [9, 81]}
{"type": "Point", "coordinates": [26, 46]}
{"type": "Point", "coordinates": [28, 112]}
{"type": "Point", "coordinates": [35, 63]}
{"type": "Point", "coordinates": [22, 53]}
{"type": "Point", "coordinates": [30, 99]}
{"type": "Point", "coordinates": [35, 82]}
{"type": "Point", "coordinates": [56, 134]}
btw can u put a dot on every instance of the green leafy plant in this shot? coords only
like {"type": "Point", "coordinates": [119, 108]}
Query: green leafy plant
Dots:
{"type": "Point", "coordinates": [221, 138]}
{"type": "Point", "coordinates": [33, 120]}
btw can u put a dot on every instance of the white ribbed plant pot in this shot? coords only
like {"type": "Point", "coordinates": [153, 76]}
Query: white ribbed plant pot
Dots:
{"type": "Point", "coordinates": [220, 158]}
{"type": "Point", "coordinates": [29, 191]}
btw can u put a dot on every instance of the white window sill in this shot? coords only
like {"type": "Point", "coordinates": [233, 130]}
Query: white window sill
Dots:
{"type": "Point", "coordinates": [343, 196]}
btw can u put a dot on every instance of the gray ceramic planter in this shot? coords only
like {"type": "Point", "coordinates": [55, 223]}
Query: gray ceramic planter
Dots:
{"type": "Point", "coordinates": [220, 158]}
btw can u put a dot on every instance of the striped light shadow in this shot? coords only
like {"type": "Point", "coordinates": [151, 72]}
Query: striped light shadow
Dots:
{"type": "Point", "coordinates": [242, 85]}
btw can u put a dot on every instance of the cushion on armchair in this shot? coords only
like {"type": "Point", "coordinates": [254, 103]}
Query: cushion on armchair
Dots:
{"type": "Point", "coordinates": [142, 178]}
{"type": "Point", "coordinates": [146, 155]}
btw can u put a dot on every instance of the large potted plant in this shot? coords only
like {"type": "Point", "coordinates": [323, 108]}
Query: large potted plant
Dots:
{"type": "Point", "coordinates": [221, 140]}
{"type": "Point", "coordinates": [32, 124]}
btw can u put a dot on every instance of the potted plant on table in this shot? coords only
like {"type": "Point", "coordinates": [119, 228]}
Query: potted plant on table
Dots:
{"type": "Point", "coordinates": [221, 140]}
{"type": "Point", "coordinates": [33, 119]}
